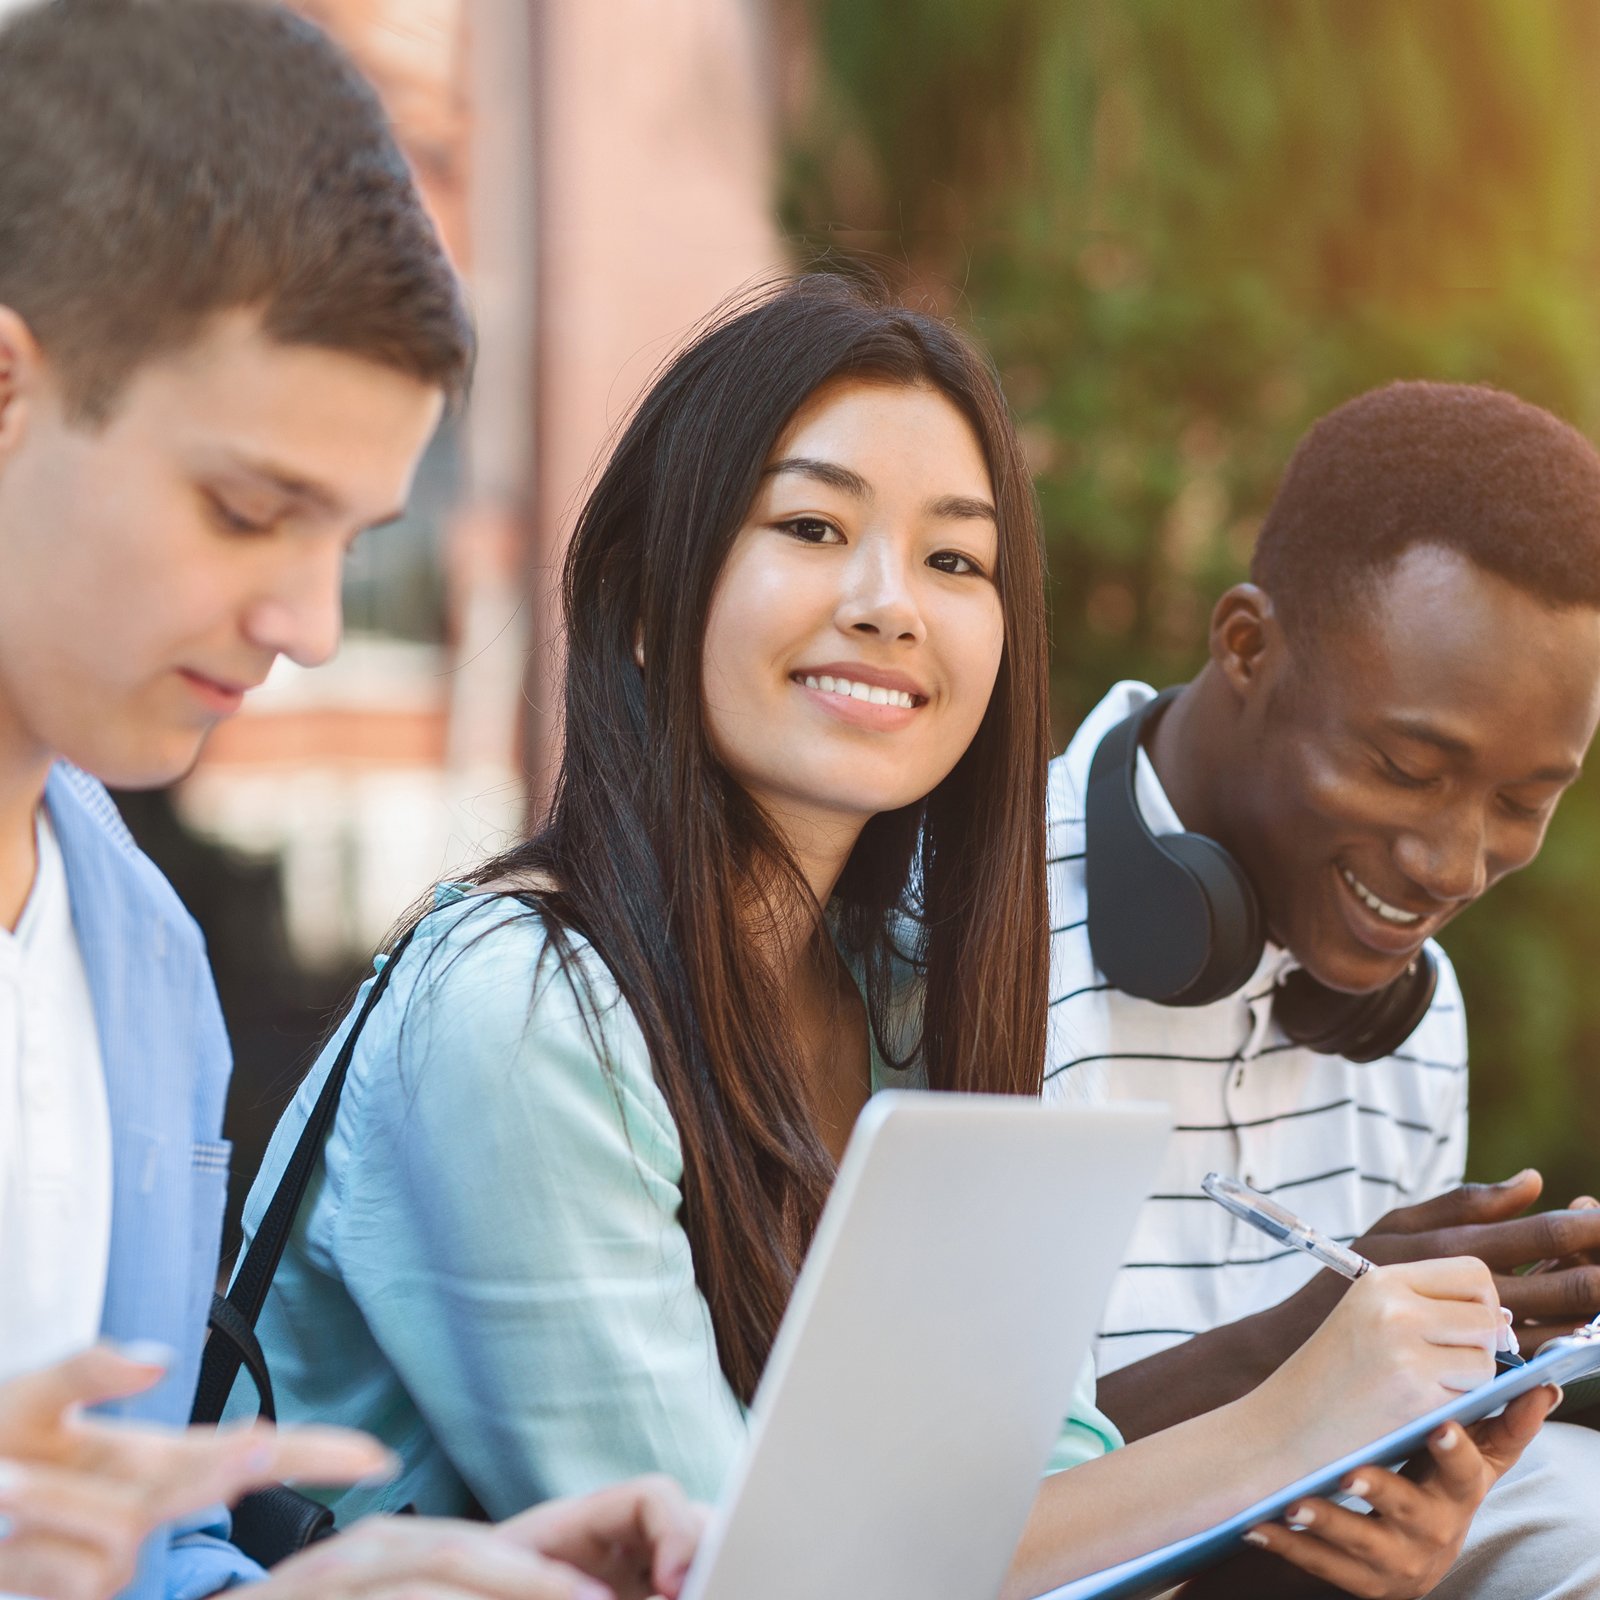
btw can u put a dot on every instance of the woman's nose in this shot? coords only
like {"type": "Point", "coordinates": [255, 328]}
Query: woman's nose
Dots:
{"type": "Point", "coordinates": [879, 600]}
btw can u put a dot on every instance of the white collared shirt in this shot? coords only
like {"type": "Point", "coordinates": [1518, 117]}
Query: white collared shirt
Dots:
{"type": "Point", "coordinates": [55, 1132]}
{"type": "Point", "coordinates": [1338, 1142]}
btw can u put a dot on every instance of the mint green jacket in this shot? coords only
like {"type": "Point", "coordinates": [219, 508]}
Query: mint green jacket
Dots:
{"type": "Point", "coordinates": [488, 1271]}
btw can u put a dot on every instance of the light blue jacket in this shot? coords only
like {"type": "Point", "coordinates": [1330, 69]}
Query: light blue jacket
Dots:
{"type": "Point", "coordinates": [166, 1059]}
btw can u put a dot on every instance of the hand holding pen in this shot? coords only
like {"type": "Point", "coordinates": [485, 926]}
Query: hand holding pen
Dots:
{"type": "Point", "coordinates": [1278, 1222]}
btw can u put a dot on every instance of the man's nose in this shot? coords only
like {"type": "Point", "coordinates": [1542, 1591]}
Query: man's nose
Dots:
{"type": "Point", "coordinates": [1447, 861]}
{"type": "Point", "coordinates": [302, 616]}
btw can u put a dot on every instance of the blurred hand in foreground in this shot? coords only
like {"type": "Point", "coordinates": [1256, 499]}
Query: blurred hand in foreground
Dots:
{"type": "Point", "coordinates": [80, 1494]}
{"type": "Point", "coordinates": [630, 1542]}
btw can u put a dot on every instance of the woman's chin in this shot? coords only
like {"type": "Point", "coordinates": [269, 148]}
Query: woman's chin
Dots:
{"type": "Point", "coordinates": [833, 806]}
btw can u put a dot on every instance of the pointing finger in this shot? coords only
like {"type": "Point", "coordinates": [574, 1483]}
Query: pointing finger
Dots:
{"type": "Point", "coordinates": [93, 1376]}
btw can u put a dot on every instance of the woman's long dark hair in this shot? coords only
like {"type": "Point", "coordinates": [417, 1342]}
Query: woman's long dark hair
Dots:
{"type": "Point", "coordinates": [659, 856]}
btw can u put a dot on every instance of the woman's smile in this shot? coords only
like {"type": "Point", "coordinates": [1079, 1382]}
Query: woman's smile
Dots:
{"type": "Point", "coordinates": [862, 696]}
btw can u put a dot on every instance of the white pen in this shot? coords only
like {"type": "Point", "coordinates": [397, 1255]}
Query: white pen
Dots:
{"type": "Point", "coordinates": [1278, 1222]}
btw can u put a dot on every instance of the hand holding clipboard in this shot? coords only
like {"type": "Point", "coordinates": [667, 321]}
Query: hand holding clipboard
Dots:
{"type": "Point", "coordinates": [1561, 1361]}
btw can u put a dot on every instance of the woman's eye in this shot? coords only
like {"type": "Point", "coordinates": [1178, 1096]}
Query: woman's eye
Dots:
{"type": "Point", "coordinates": [811, 530]}
{"type": "Point", "coordinates": [953, 561]}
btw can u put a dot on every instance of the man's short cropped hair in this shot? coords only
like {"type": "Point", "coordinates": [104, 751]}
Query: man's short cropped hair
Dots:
{"type": "Point", "coordinates": [162, 161]}
{"type": "Point", "coordinates": [1463, 466]}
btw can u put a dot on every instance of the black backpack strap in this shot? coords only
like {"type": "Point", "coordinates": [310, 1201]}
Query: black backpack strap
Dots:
{"type": "Point", "coordinates": [219, 1366]}
{"type": "Point", "coordinates": [228, 1327]}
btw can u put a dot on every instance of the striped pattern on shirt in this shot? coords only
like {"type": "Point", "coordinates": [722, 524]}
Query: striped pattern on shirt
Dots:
{"type": "Point", "coordinates": [1338, 1142]}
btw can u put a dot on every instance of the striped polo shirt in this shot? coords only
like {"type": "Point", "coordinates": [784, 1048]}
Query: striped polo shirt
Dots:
{"type": "Point", "coordinates": [1338, 1142]}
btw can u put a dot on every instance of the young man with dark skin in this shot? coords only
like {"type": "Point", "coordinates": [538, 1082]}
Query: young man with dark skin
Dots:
{"type": "Point", "coordinates": [227, 331]}
{"type": "Point", "coordinates": [1391, 711]}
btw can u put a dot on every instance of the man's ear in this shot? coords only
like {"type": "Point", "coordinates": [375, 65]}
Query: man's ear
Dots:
{"type": "Point", "coordinates": [21, 368]}
{"type": "Point", "coordinates": [1247, 643]}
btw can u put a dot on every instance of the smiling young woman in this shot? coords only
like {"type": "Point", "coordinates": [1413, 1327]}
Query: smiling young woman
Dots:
{"type": "Point", "coordinates": [796, 853]}
{"type": "Point", "coordinates": [777, 507]}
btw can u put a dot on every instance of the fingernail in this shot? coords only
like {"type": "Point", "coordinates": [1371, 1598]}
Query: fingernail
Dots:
{"type": "Point", "coordinates": [11, 1476]}
{"type": "Point", "coordinates": [1255, 1537]}
{"type": "Point", "coordinates": [1559, 1392]}
{"type": "Point", "coordinates": [588, 1590]}
{"type": "Point", "coordinates": [1357, 1487]}
{"type": "Point", "coordinates": [1516, 1178]}
{"type": "Point", "coordinates": [5, 1528]}
{"type": "Point", "coordinates": [1445, 1439]}
{"type": "Point", "coordinates": [147, 1352]}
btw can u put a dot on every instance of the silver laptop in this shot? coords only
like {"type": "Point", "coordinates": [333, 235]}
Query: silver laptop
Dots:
{"type": "Point", "coordinates": [928, 1357]}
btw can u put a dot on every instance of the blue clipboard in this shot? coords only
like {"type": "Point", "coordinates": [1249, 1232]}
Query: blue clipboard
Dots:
{"type": "Point", "coordinates": [1561, 1361]}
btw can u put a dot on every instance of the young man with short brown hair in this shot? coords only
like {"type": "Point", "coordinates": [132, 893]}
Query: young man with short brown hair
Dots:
{"type": "Point", "coordinates": [227, 331]}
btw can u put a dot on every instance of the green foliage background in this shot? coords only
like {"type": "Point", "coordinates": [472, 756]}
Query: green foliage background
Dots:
{"type": "Point", "coordinates": [1186, 228]}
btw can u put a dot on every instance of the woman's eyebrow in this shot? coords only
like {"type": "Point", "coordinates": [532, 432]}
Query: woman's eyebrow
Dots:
{"type": "Point", "coordinates": [953, 507]}
{"type": "Point", "coordinates": [963, 508]}
{"type": "Point", "coordinates": [828, 472]}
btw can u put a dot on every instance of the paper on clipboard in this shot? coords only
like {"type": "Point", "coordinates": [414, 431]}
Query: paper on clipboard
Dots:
{"type": "Point", "coordinates": [1562, 1361]}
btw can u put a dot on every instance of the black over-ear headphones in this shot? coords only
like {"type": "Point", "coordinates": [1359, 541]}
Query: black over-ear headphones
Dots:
{"type": "Point", "coordinates": [1172, 918]}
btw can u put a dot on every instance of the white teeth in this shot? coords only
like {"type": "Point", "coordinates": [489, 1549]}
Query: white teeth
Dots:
{"type": "Point", "coordinates": [1388, 912]}
{"type": "Point", "coordinates": [871, 693]}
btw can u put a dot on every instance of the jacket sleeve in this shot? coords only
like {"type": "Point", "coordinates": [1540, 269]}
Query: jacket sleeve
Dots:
{"type": "Point", "coordinates": [509, 1227]}
{"type": "Point", "coordinates": [201, 1562]}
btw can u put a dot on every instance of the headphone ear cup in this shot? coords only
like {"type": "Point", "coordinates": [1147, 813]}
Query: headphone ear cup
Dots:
{"type": "Point", "coordinates": [1233, 950]}
{"type": "Point", "coordinates": [1175, 922]}
{"type": "Point", "coordinates": [1172, 918]}
{"type": "Point", "coordinates": [1360, 1027]}
{"type": "Point", "coordinates": [1149, 922]}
